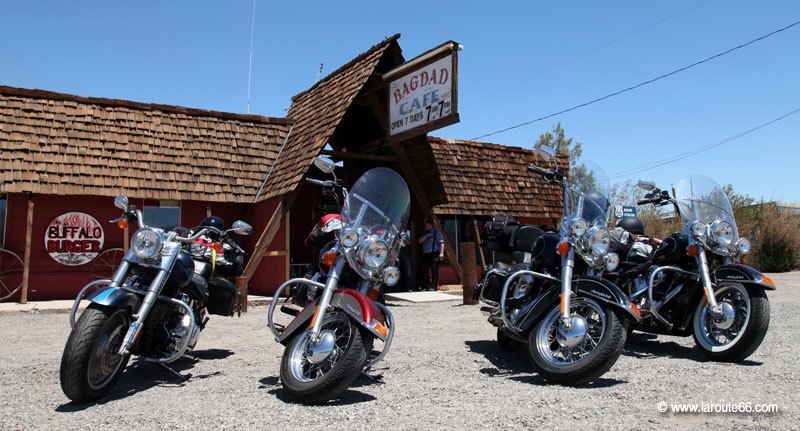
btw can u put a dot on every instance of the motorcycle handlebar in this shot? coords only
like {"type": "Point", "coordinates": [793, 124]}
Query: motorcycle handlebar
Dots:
{"type": "Point", "coordinates": [648, 201]}
{"type": "Point", "coordinates": [319, 182]}
{"type": "Point", "coordinates": [538, 170]}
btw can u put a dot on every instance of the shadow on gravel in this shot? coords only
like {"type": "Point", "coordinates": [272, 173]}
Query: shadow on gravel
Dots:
{"type": "Point", "coordinates": [643, 346]}
{"type": "Point", "coordinates": [140, 376]}
{"type": "Point", "coordinates": [349, 397]}
{"type": "Point", "coordinates": [516, 365]}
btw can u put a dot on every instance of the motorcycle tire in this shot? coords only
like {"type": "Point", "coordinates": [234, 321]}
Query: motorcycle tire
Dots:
{"type": "Point", "coordinates": [90, 365]}
{"type": "Point", "coordinates": [750, 335]}
{"type": "Point", "coordinates": [333, 382]}
{"type": "Point", "coordinates": [599, 360]}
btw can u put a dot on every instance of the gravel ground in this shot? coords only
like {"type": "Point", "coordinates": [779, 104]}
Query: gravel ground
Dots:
{"type": "Point", "coordinates": [444, 372]}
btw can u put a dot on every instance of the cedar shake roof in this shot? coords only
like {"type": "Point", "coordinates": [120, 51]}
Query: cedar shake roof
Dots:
{"type": "Point", "coordinates": [317, 112]}
{"type": "Point", "coordinates": [487, 179]}
{"type": "Point", "coordinates": [55, 143]}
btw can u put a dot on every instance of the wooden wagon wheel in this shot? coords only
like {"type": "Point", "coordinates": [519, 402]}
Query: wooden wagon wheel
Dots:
{"type": "Point", "coordinates": [10, 274]}
{"type": "Point", "coordinates": [105, 263]}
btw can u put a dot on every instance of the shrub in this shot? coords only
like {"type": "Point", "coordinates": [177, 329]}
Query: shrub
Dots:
{"type": "Point", "coordinates": [776, 241]}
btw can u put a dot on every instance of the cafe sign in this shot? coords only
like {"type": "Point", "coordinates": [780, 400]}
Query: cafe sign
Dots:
{"type": "Point", "coordinates": [74, 238]}
{"type": "Point", "coordinates": [423, 92]}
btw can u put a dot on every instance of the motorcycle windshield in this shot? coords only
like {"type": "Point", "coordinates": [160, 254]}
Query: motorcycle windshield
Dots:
{"type": "Point", "coordinates": [701, 198]}
{"type": "Point", "coordinates": [377, 204]}
{"type": "Point", "coordinates": [587, 194]}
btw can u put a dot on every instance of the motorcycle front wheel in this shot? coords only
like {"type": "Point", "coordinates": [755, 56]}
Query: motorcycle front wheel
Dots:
{"type": "Point", "coordinates": [90, 364]}
{"type": "Point", "coordinates": [568, 359]}
{"type": "Point", "coordinates": [314, 381]}
{"type": "Point", "coordinates": [738, 333]}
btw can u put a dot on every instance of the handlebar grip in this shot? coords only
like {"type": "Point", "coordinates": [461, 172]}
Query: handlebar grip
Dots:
{"type": "Point", "coordinates": [316, 182]}
{"type": "Point", "coordinates": [538, 170]}
{"type": "Point", "coordinates": [647, 201]}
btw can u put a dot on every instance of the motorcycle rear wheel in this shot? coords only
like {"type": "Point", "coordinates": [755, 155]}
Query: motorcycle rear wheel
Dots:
{"type": "Point", "coordinates": [590, 358]}
{"type": "Point", "coordinates": [310, 383]}
{"type": "Point", "coordinates": [90, 365]}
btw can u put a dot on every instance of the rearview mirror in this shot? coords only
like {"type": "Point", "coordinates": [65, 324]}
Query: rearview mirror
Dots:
{"type": "Point", "coordinates": [121, 202]}
{"type": "Point", "coordinates": [242, 228]}
{"type": "Point", "coordinates": [547, 154]}
{"type": "Point", "coordinates": [325, 164]}
{"type": "Point", "coordinates": [647, 184]}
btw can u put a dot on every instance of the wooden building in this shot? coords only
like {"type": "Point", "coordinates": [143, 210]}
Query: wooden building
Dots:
{"type": "Point", "coordinates": [63, 154]}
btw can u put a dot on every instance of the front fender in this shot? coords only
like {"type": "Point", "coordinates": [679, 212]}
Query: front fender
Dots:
{"type": "Point", "coordinates": [116, 297]}
{"type": "Point", "coordinates": [605, 291]}
{"type": "Point", "coordinates": [743, 274]}
{"type": "Point", "coordinates": [360, 308]}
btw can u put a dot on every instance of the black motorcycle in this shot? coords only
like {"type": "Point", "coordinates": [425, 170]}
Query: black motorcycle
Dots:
{"type": "Point", "coordinates": [692, 283]}
{"type": "Point", "coordinates": [552, 298]}
{"type": "Point", "coordinates": [154, 306]}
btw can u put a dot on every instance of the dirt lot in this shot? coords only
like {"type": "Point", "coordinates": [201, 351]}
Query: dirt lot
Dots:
{"type": "Point", "coordinates": [444, 372]}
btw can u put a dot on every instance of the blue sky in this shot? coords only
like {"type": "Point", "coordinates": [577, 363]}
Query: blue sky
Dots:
{"type": "Point", "coordinates": [196, 54]}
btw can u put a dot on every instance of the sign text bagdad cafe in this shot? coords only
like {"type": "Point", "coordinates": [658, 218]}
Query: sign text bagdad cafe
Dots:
{"type": "Point", "coordinates": [422, 95]}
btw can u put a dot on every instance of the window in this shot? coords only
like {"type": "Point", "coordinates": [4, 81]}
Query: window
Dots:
{"type": "Point", "coordinates": [167, 215]}
{"type": "Point", "coordinates": [3, 201]}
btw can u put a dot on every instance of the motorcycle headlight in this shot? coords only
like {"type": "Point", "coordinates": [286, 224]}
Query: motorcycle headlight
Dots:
{"type": "Point", "coordinates": [743, 245]}
{"type": "Point", "coordinates": [391, 275]}
{"type": "Point", "coordinates": [578, 226]}
{"type": "Point", "coordinates": [697, 228]}
{"type": "Point", "coordinates": [374, 253]}
{"type": "Point", "coordinates": [612, 261]}
{"type": "Point", "coordinates": [146, 243]}
{"type": "Point", "coordinates": [349, 238]}
{"type": "Point", "coordinates": [597, 239]}
{"type": "Point", "coordinates": [722, 232]}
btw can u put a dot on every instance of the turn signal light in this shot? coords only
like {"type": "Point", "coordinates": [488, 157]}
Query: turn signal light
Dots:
{"type": "Point", "coordinates": [373, 294]}
{"type": "Point", "coordinates": [636, 309]}
{"type": "Point", "coordinates": [692, 250]}
{"type": "Point", "coordinates": [122, 223]}
{"type": "Point", "coordinates": [382, 329]}
{"type": "Point", "coordinates": [563, 248]}
{"type": "Point", "coordinates": [329, 258]}
{"type": "Point", "coordinates": [767, 280]}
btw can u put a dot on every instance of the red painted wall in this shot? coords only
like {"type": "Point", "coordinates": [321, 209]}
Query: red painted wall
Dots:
{"type": "Point", "coordinates": [52, 280]}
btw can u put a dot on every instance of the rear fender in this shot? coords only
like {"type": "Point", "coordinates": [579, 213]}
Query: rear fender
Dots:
{"type": "Point", "coordinates": [743, 274]}
{"type": "Point", "coordinates": [116, 297]}
{"type": "Point", "coordinates": [351, 302]}
{"type": "Point", "coordinates": [605, 291]}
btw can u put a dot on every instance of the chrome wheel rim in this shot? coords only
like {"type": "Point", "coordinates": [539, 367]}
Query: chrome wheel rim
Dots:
{"type": "Point", "coordinates": [306, 371]}
{"type": "Point", "coordinates": [105, 360]}
{"type": "Point", "coordinates": [554, 352]}
{"type": "Point", "coordinates": [720, 337]}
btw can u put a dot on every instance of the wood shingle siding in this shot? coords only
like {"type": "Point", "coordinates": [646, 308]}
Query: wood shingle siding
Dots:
{"type": "Point", "coordinates": [483, 179]}
{"type": "Point", "coordinates": [53, 143]}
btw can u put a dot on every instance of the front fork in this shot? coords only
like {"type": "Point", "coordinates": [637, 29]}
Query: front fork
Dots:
{"type": "Point", "coordinates": [144, 309]}
{"type": "Point", "coordinates": [705, 275]}
{"type": "Point", "coordinates": [567, 267]}
{"type": "Point", "coordinates": [327, 294]}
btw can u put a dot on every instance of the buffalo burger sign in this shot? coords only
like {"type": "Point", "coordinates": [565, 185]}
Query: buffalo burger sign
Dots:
{"type": "Point", "coordinates": [423, 91]}
{"type": "Point", "coordinates": [73, 238]}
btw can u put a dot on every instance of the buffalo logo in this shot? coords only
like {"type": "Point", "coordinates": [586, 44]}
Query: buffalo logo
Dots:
{"type": "Point", "coordinates": [74, 238]}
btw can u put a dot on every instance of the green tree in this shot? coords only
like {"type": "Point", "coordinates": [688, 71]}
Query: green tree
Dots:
{"type": "Point", "coordinates": [558, 141]}
{"type": "Point", "coordinates": [738, 200]}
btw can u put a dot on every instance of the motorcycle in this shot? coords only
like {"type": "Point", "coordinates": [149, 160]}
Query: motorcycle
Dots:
{"type": "Point", "coordinates": [154, 306]}
{"type": "Point", "coordinates": [329, 343]}
{"type": "Point", "coordinates": [693, 281]}
{"type": "Point", "coordinates": [552, 299]}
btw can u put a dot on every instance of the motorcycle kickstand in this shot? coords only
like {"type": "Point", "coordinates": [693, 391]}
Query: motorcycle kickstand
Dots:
{"type": "Point", "coordinates": [377, 378]}
{"type": "Point", "coordinates": [174, 373]}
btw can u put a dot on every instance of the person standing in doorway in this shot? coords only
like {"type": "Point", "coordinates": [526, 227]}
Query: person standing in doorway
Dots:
{"type": "Point", "coordinates": [432, 254]}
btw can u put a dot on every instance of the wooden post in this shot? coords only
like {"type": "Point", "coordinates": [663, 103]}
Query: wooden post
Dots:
{"type": "Point", "coordinates": [478, 242]}
{"type": "Point", "coordinates": [208, 210]}
{"type": "Point", "coordinates": [126, 238]}
{"type": "Point", "coordinates": [468, 279]}
{"type": "Point", "coordinates": [241, 285]}
{"type": "Point", "coordinates": [419, 192]}
{"type": "Point", "coordinates": [26, 270]}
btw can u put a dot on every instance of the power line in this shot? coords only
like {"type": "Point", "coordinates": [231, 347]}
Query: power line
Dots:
{"type": "Point", "coordinates": [641, 84]}
{"type": "Point", "coordinates": [578, 57]}
{"type": "Point", "coordinates": [684, 155]}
